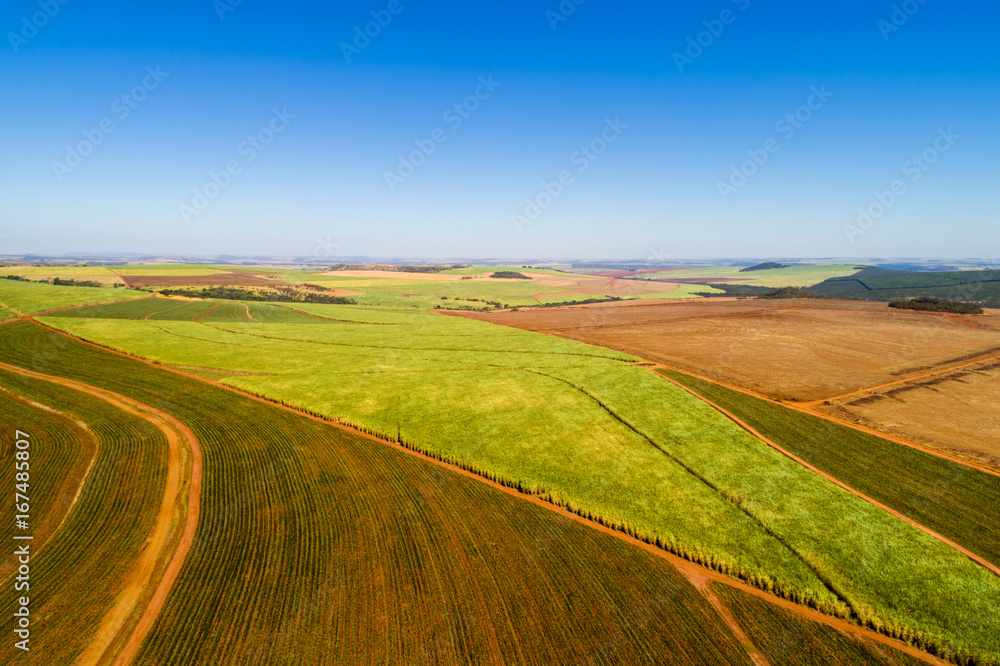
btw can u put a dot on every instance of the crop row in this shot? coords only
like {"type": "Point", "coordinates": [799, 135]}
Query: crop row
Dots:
{"type": "Point", "coordinates": [610, 441]}
{"type": "Point", "coordinates": [319, 546]}
{"type": "Point", "coordinates": [60, 452]}
{"type": "Point", "coordinates": [76, 577]}
{"type": "Point", "coordinates": [954, 500]}
{"type": "Point", "coordinates": [791, 640]}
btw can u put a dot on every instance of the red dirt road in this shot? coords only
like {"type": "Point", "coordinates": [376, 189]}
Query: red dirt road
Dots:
{"type": "Point", "coordinates": [696, 574]}
{"type": "Point", "coordinates": [139, 579]}
{"type": "Point", "coordinates": [743, 424]}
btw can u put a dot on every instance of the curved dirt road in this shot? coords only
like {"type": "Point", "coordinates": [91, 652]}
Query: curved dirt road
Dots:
{"type": "Point", "coordinates": [139, 581]}
{"type": "Point", "coordinates": [701, 577]}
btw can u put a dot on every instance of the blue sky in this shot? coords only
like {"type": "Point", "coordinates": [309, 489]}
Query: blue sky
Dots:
{"type": "Point", "coordinates": [313, 133]}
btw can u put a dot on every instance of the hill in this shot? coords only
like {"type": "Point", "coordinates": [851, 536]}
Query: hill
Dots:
{"type": "Point", "coordinates": [881, 284]}
{"type": "Point", "coordinates": [766, 266]}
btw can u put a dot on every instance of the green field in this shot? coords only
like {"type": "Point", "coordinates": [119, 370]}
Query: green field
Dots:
{"type": "Point", "coordinates": [80, 272]}
{"type": "Point", "coordinates": [427, 293]}
{"type": "Point", "coordinates": [880, 284]}
{"type": "Point", "coordinates": [34, 297]}
{"type": "Point", "coordinates": [793, 276]}
{"type": "Point", "coordinates": [790, 640]}
{"type": "Point", "coordinates": [317, 546]}
{"type": "Point", "coordinates": [586, 427]}
{"type": "Point", "coordinates": [107, 528]}
{"type": "Point", "coordinates": [956, 501]}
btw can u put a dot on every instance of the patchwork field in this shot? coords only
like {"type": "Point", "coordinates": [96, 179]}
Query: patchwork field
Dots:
{"type": "Point", "coordinates": [880, 534]}
{"type": "Point", "coordinates": [596, 433]}
{"type": "Point", "coordinates": [34, 297]}
{"type": "Point", "coordinates": [883, 367]}
{"type": "Point", "coordinates": [952, 499]}
{"type": "Point", "coordinates": [799, 350]}
{"type": "Point", "coordinates": [383, 556]}
{"type": "Point", "coordinates": [956, 411]}
{"type": "Point", "coordinates": [793, 276]}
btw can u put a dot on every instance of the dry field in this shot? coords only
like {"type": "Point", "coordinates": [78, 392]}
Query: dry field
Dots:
{"type": "Point", "coordinates": [956, 411]}
{"type": "Point", "coordinates": [562, 285]}
{"type": "Point", "coordinates": [927, 377]}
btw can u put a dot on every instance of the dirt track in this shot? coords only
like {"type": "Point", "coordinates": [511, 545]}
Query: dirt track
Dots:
{"type": "Point", "coordinates": [810, 352]}
{"type": "Point", "coordinates": [696, 574]}
{"type": "Point", "coordinates": [139, 580]}
{"type": "Point", "coordinates": [743, 424]}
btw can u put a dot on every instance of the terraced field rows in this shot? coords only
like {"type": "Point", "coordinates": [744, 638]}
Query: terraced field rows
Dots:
{"type": "Point", "coordinates": [61, 453]}
{"type": "Point", "coordinates": [317, 546]}
{"type": "Point", "coordinates": [954, 500]}
{"type": "Point", "coordinates": [608, 440]}
{"type": "Point", "coordinates": [106, 530]}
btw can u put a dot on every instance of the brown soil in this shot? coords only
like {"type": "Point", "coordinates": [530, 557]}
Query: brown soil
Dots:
{"type": "Point", "coordinates": [956, 411]}
{"type": "Point", "coordinates": [121, 278]}
{"type": "Point", "coordinates": [791, 350]}
{"type": "Point", "coordinates": [140, 581]}
{"type": "Point", "coordinates": [696, 574]}
{"type": "Point", "coordinates": [813, 351]}
{"type": "Point", "coordinates": [972, 556]}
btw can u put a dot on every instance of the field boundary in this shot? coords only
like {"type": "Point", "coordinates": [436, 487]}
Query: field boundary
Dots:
{"type": "Point", "coordinates": [158, 545]}
{"type": "Point", "coordinates": [750, 429]}
{"type": "Point", "coordinates": [833, 419]}
{"type": "Point", "coordinates": [695, 573]}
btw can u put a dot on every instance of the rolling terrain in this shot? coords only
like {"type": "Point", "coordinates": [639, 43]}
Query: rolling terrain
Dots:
{"type": "Point", "coordinates": [381, 554]}
{"type": "Point", "coordinates": [808, 550]}
{"type": "Point", "coordinates": [923, 376]}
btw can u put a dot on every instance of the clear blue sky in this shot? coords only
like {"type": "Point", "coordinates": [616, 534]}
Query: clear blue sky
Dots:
{"type": "Point", "coordinates": [678, 128]}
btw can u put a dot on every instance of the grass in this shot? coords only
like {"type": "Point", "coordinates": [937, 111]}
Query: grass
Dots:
{"type": "Point", "coordinates": [954, 500]}
{"type": "Point", "coordinates": [76, 577]}
{"type": "Point", "coordinates": [6, 314]}
{"type": "Point", "coordinates": [794, 276]}
{"type": "Point", "coordinates": [33, 297]}
{"type": "Point", "coordinates": [318, 546]}
{"type": "Point", "coordinates": [588, 429]}
{"type": "Point", "coordinates": [790, 640]}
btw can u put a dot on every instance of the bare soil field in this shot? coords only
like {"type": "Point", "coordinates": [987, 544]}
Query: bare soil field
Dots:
{"type": "Point", "coordinates": [927, 377]}
{"type": "Point", "coordinates": [958, 411]}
